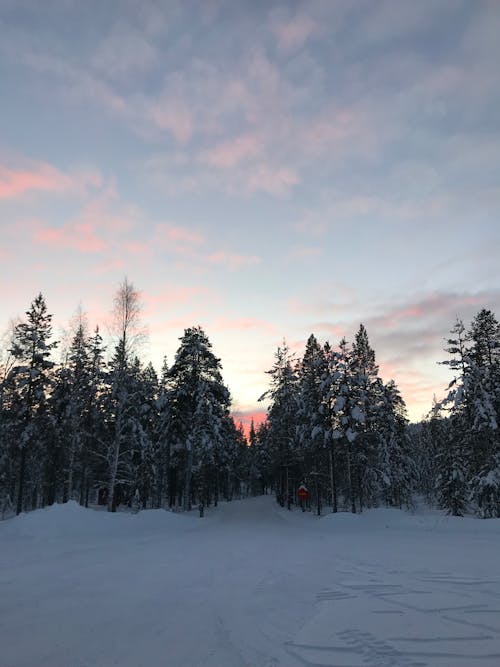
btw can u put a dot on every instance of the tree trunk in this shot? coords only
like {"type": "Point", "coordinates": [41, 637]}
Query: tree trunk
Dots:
{"type": "Point", "coordinates": [187, 481]}
{"type": "Point", "coordinates": [22, 475]}
{"type": "Point", "coordinates": [333, 480]}
{"type": "Point", "coordinates": [349, 480]}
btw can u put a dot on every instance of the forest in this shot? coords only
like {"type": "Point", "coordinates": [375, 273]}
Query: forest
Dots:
{"type": "Point", "coordinates": [96, 425]}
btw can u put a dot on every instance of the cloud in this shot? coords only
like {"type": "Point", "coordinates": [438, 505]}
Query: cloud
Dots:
{"type": "Point", "coordinates": [230, 153]}
{"type": "Point", "coordinates": [176, 239]}
{"type": "Point", "coordinates": [79, 236]}
{"type": "Point", "coordinates": [111, 265]}
{"type": "Point", "coordinates": [124, 52]}
{"type": "Point", "coordinates": [273, 180]}
{"type": "Point", "coordinates": [408, 337]}
{"type": "Point", "coordinates": [232, 261]}
{"type": "Point", "coordinates": [294, 33]}
{"type": "Point", "coordinates": [100, 226]}
{"type": "Point", "coordinates": [137, 248]}
{"type": "Point", "coordinates": [30, 175]}
{"type": "Point", "coordinates": [173, 116]}
{"type": "Point", "coordinates": [437, 306]}
{"type": "Point", "coordinates": [14, 183]}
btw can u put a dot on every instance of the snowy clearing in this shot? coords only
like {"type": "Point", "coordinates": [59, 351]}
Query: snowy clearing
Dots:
{"type": "Point", "coordinates": [250, 585]}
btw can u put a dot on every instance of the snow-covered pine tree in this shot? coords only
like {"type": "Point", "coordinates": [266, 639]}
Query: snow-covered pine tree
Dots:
{"type": "Point", "coordinates": [311, 422]}
{"type": "Point", "coordinates": [484, 400]}
{"type": "Point", "coordinates": [346, 416]}
{"type": "Point", "coordinates": [126, 323]}
{"type": "Point", "coordinates": [165, 475]}
{"type": "Point", "coordinates": [94, 449]}
{"type": "Point", "coordinates": [68, 405]}
{"type": "Point", "coordinates": [143, 418]}
{"type": "Point", "coordinates": [369, 394]}
{"type": "Point", "coordinates": [198, 404]}
{"type": "Point", "coordinates": [453, 434]}
{"type": "Point", "coordinates": [7, 437]}
{"type": "Point", "coordinates": [255, 468]}
{"type": "Point", "coordinates": [395, 465]}
{"type": "Point", "coordinates": [31, 379]}
{"type": "Point", "coordinates": [281, 436]}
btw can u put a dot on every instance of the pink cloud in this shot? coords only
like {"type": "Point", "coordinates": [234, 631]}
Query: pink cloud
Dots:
{"type": "Point", "coordinates": [178, 234]}
{"type": "Point", "coordinates": [275, 181]}
{"type": "Point", "coordinates": [178, 240]}
{"type": "Point", "coordinates": [173, 117]}
{"type": "Point", "coordinates": [441, 305]}
{"type": "Point", "coordinates": [16, 182]}
{"type": "Point", "coordinates": [230, 153]}
{"type": "Point", "coordinates": [137, 248]}
{"type": "Point", "coordinates": [294, 34]}
{"type": "Point", "coordinates": [346, 131]}
{"type": "Point", "coordinates": [109, 266]}
{"type": "Point", "coordinates": [232, 261]}
{"type": "Point", "coordinates": [80, 236]}
{"type": "Point", "coordinates": [42, 177]}
{"type": "Point", "coordinates": [100, 226]}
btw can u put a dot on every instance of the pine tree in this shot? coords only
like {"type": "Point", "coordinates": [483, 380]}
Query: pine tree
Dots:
{"type": "Point", "coordinates": [126, 314]}
{"type": "Point", "coordinates": [281, 437]}
{"type": "Point", "coordinates": [452, 467]}
{"type": "Point", "coordinates": [484, 398]}
{"type": "Point", "coordinates": [198, 404]}
{"type": "Point", "coordinates": [395, 465]}
{"type": "Point", "coordinates": [93, 452]}
{"type": "Point", "coordinates": [311, 426]}
{"type": "Point", "coordinates": [31, 379]}
{"type": "Point", "coordinates": [473, 402]}
{"type": "Point", "coordinates": [369, 394]}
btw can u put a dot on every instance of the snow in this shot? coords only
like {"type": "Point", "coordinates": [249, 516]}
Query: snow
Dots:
{"type": "Point", "coordinates": [358, 414]}
{"type": "Point", "coordinates": [250, 585]}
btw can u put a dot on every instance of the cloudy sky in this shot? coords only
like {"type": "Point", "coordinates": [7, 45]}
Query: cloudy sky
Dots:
{"type": "Point", "coordinates": [265, 169]}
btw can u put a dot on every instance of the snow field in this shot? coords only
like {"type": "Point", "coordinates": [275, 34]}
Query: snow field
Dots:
{"type": "Point", "coordinates": [250, 585]}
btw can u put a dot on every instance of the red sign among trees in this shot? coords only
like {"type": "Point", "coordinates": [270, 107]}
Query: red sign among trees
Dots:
{"type": "Point", "coordinates": [303, 492]}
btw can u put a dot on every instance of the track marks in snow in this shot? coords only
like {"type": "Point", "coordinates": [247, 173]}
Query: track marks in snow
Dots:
{"type": "Point", "coordinates": [250, 585]}
{"type": "Point", "coordinates": [402, 619]}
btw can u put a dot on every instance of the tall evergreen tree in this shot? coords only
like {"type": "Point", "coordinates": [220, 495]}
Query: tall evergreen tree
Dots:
{"type": "Point", "coordinates": [281, 437]}
{"type": "Point", "coordinates": [31, 379]}
{"type": "Point", "coordinates": [198, 405]}
{"type": "Point", "coordinates": [126, 315]}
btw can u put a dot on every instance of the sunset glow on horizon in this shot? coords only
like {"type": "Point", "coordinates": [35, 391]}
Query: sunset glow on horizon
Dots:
{"type": "Point", "coordinates": [266, 170]}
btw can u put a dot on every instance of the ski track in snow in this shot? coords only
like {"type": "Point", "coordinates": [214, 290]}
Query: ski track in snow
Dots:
{"type": "Point", "coordinates": [250, 585]}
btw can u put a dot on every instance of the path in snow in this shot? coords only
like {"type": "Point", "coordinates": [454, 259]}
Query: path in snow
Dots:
{"type": "Point", "coordinates": [250, 585]}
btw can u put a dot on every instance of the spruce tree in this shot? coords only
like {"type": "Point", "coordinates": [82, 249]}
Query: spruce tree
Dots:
{"type": "Point", "coordinates": [198, 405]}
{"type": "Point", "coordinates": [31, 378]}
{"type": "Point", "coordinates": [281, 437]}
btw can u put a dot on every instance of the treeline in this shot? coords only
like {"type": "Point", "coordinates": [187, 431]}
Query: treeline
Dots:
{"type": "Point", "coordinates": [335, 426]}
{"type": "Point", "coordinates": [458, 448]}
{"type": "Point", "coordinates": [114, 432]}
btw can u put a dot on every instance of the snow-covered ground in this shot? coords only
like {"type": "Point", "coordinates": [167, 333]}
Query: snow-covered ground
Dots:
{"type": "Point", "coordinates": [249, 585]}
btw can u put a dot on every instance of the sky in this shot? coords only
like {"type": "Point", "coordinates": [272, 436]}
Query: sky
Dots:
{"type": "Point", "coordinates": [265, 169]}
